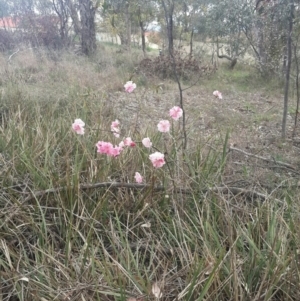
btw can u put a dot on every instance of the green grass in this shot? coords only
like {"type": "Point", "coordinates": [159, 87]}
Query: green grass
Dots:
{"type": "Point", "coordinates": [64, 236]}
{"type": "Point", "coordinates": [244, 78]}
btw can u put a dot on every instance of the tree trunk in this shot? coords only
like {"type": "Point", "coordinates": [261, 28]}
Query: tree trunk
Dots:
{"type": "Point", "coordinates": [143, 37]}
{"type": "Point", "coordinates": [74, 17]}
{"type": "Point", "coordinates": [288, 69]}
{"type": "Point", "coordinates": [141, 24]}
{"type": "Point", "coordinates": [170, 30]}
{"type": "Point", "coordinates": [61, 10]}
{"type": "Point", "coordinates": [128, 27]}
{"type": "Point", "coordinates": [169, 21]}
{"type": "Point", "coordinates": [297, 89]}
{"type": "Point", "coordinates": [191, 42]}
{"type": "Point", "coordinates": [88, 29]}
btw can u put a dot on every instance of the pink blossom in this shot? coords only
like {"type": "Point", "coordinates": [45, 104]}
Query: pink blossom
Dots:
{"type": "Point", "coordinates": [116, 151]}
{"type": "Point", "coordinates": [129, 142]}
{"type": "Point", "coordinates": [157, 159]}
{"type": "Point", "coordinates": [115, 124]}
{"type": "Point", "coordinates": [138, 177]}
{"type": "Point", "coordinates": [108, 149]}
{"type": "Point", "coordinates": [122, 144]}
{"type": "Point", "coordinates": [146, 142]}
{"type": "Point", "coordinates": [164, 126]}
{"type": "Point", "coordinates": [176, 112]}
{"type": "Point", "coordinates": [78, 126]}
{"type": "Point", "coordinates": [129, 86]}
{"type": "Point", "coordinates": [115, 128]}
{"type": "Point", "coordinates": [104, 147]}
{"type": "Point", "coordinates": [217, 94]}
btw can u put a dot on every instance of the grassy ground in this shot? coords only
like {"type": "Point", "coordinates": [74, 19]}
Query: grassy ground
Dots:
{"type": "Point", "coordinates": [217, 222]}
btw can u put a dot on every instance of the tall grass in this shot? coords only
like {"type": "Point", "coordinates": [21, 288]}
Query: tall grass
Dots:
{"type": "Point", "coordinates": [64, 236]}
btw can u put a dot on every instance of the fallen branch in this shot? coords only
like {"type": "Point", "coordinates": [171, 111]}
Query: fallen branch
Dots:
{"type": "Point", "coordinates": [234, 190]}
{"type": "Point", "coordinates": [93, 186]}
{"type": "Point", "coordinates": [264, 159]}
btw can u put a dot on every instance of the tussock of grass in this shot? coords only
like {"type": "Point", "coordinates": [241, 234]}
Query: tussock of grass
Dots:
{"type": "Point", "coordinates": [195, 240]}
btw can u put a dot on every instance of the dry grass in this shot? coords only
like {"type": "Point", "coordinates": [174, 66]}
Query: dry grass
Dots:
{"type": "Point", "coordinates": [221, 226]}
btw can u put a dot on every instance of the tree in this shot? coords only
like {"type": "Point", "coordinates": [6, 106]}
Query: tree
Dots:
{"type": "Point", "coordinates": [87, 10]}
{"type": "Point", "coordinates": [168, 8]}
{"type": "Point", "coordinates": [61, 9]}
{"type": "Point", "coordinates": [117, 14]}
{"type": "Point", "coordinates": [226, 21]}
{"type": "Point", "coordinates": [288, 68]}
{"type": "Point", "coordinates": [82, 13]}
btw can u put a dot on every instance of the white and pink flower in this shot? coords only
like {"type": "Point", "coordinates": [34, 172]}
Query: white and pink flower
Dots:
{"type": "Point", "coordinates": [218, 94]}
{"type": "Point", "coordinates": [78, 126]}
{"type": "Point", "coordinates": [138, 177]}
{"type": "Point", "coordinates": [164, 126]}
{"type": "Point", "coordinates": [176, 112]}
{"type": "Point", "coordinates": [147, 142]}
{"type": "Point", "coordinates": [128, 142]}
{"type": "Point", "coordinates": [129, 86]}
{"type": "Point", "coordinates": [115, 128]}
{"type": "Point", "coordinates": [157, 159]}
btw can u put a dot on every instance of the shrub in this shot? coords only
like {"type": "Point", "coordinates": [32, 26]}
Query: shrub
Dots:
{"type": "Point", "coordinates": [7, 40]}
{"type": "Point", "coordinates": [162, 66]}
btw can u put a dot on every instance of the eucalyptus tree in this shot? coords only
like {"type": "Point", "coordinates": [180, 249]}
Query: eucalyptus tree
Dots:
{"type": "Point", "coordinates": [116, 14]}
{"type": "Point", "coordinates": [144, 14]}
{"type": "Point", "coordinates": [227, 21]}
{"type": "Point", "coordinates": [121, 17]}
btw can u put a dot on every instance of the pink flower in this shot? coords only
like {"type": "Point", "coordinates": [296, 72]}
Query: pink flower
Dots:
{"type": "Point", "coordinates": [104, 147]}
{"type": "Point", "coordinates": [116, 151]}
{"type": "Point", "coordinates": [115, 128]}
{"type": "Point", "coordinates": [108, 149]}
{"type": "Point", "coordinates": [164, 126]}
{"type": "Point", "coordinates": [115, 124]}
{"type": "Point", "coordinates": [176, 112]}
{"type": "Point", "coordinates": [129, 86]}
{"type": "Point", "coordinates": [217, 94]}
{"type": "Point", "coordinates": [78, 126]}
{"type": "Point", "coordinates": [157, 159]}
{"type": "Point", "coordinates": [138, 177]}
{"type": "Point", "coordinates": [121, 144]}
{"type": "Point", "coordinates": [146, 142]}
{"type": "Point", "coordinates": [129, 142]}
